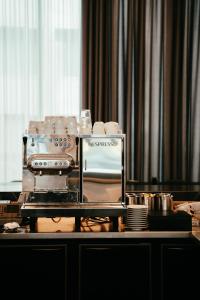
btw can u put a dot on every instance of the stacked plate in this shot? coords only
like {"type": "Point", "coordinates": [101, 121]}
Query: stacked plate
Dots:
{"type": "Point", "coordinates": [137, 217]}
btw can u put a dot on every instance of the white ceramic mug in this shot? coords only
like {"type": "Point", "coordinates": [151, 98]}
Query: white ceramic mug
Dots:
{"type": "Point", "coordinates": [85, 126]}
{"type": "Point", "coordinates": [98, 128]}
{"type": "Point", "coordinates": [71, 125]}
{"type": "Point", "coordinates": [112, 128]}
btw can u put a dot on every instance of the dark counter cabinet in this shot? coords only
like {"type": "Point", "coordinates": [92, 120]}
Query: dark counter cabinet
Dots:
{"type": "Point", "coordinates": [114, 271]}
{"type": "Point", "coordinates": [33, 272]}
{"type": "Point", "coordinates": [180, 265]}
{"type": "Point", "coordinates": [105, 268]}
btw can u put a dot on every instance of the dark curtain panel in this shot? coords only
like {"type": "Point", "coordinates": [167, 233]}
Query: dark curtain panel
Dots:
{"type": "Point", "coordinates": [100, 58]}
{"type": "Point", "coordinates": [141, 67]}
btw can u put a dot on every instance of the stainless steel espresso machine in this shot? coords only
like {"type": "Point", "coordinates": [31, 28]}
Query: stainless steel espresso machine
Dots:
{"type": "Point", "coordinates": [67, 174]}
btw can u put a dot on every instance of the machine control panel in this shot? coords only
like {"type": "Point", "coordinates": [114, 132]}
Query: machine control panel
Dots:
{"type": "Point", "coordinates": [49, 143]}
{"type": "Point", "coordinates": [50, 164]}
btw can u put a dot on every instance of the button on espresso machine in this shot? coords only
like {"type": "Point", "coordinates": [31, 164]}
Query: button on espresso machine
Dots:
{"type": "Point", "coordinates": [71, 175]}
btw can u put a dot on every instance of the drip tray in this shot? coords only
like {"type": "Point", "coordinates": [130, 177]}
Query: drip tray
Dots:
{"type": "Point", "coordinates": [69, 210]}
{"type": "Point", "coordinates": [52, 198]}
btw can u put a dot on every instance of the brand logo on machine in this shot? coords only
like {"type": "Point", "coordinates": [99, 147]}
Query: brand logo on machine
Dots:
{"type": "Point", "coordinates": [103, 144]}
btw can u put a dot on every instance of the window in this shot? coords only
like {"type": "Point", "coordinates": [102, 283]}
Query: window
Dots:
{"type": "Point", "coordinates": [39, 70]}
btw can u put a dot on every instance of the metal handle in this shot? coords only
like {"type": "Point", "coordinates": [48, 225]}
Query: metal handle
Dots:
{"type": "Point", "coordinates": [47, 249]}
{"type": "Point", "coordinates": [99, 249]}
{"type": "Point", "coordinates": [176, 248]}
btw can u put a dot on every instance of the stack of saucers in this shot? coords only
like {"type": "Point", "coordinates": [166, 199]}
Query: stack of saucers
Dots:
{"type": "Point", "coordinates": [137, 217]}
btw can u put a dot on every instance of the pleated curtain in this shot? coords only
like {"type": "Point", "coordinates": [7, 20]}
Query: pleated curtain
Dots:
{"type": "Point", "coordinates": [141, 67]}
{"type": "Point", "coordinates": [40, 63]}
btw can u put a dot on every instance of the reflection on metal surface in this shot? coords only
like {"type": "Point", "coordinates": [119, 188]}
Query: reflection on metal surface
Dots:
{"type": "Point", "coordinates": [72, 175]}
{"type": "Point", "coordinates": [50, 163]}
{"type": "Point", "coordinates": [103, 169]}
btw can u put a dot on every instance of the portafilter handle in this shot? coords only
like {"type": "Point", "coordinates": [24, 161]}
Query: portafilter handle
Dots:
{"type": "Point", "coordinates": [25, 149]}
{"type": "Point", "coordinates": [77, 162]}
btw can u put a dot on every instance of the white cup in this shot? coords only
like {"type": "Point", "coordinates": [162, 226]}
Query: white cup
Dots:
{"type": "Point", "coordinates": [112, 128]}
{"type": "Point", "coordinates": [98, 128]}
{"type": "Point", "coordinates": [55, 124]}
{"type": "Point", "coordinates": [60, 127]}
{"type": "Point", "coordinates": [41, 127]}
{"type": "Point", "coordinates": [85, 125]}
{"type": "Point", "coordinates": [71, 125]}
{"type": "Point", "coordinates": [36, 127]}
{"type": "Point", "coordinates": [85, 113]}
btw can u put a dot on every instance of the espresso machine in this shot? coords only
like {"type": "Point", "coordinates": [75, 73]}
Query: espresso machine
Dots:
{"type": "Point", "coordinates": [69, 174]}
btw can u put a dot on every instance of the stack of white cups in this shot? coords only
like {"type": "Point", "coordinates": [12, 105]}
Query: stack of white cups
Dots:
{"type": "Point", "coordinates": [98, 128]}
{"type": "Point", "coordinates": [85, 125]}
{"type": "Point", "coordinates": [108, 128]}
{"type": "Point", "coordinates": [112, 128]}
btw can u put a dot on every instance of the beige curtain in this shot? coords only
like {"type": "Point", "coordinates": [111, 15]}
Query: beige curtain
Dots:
{"type": "Point", "coordinates": [141, 67]}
